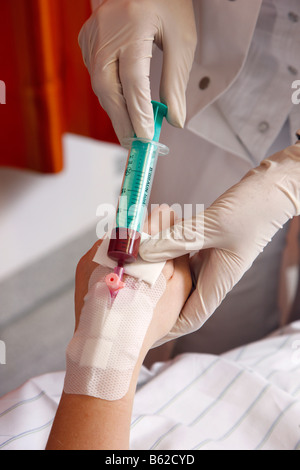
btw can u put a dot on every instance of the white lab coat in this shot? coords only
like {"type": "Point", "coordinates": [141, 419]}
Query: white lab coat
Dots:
{"type": "Point", "coordinates": [207, 157]}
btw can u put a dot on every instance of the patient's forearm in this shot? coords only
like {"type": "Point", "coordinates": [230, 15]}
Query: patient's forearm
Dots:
{"type": "Point", "coordinates": [88, 423]}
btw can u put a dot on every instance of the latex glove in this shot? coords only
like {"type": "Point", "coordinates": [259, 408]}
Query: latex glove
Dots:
{"type": "Point", "coordinates": [117, 42]}
{"type": "Point", "coordinates": [230, 234]}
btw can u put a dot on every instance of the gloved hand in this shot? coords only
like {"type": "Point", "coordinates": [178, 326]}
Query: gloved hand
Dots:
{"type": "Point", "coordinates": [117, 42]}
{"type": "Point", "coordinates": [230, 234]}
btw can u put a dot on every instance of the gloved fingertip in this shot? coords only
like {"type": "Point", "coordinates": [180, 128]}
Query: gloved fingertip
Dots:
{"type": "Point", "coordinates": [151, 251]}
{"type": "Point", "coordinates": [176, 115]}
{"type": "Point", "coordinates": [145, 251]}
{"type": "Point", "coordinates": [145, 130]}
{"type": "Point", "coordinates": [122, 127]}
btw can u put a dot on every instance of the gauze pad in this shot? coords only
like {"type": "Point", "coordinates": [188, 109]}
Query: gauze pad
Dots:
{"type": "Point", "coordinates": [104, 350]}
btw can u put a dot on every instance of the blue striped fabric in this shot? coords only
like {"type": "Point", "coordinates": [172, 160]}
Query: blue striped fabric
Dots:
{"type": "Point", "coordinates": [246, 399]}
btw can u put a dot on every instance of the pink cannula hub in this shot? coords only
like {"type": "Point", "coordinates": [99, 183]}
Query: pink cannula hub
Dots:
{"type": "Point", "coordinates": [114, 281]}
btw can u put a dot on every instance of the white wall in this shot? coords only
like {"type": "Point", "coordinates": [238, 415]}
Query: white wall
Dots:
{"type": "Point", "coordinates": [41, 212]}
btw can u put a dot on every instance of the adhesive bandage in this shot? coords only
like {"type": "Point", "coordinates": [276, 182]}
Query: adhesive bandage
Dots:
{"type": "Point", "coordinates": [104, 350]}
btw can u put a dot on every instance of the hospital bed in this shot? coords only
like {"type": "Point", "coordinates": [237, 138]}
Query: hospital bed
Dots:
{"type": "Point", "coordinates": [245, 399]}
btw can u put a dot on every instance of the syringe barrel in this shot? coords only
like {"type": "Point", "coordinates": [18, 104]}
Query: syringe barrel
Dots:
{"type": "Point", "coordinates": [135, 192]}
{"type": "Point", "coordinates": [134, 198]}
{"type": "Point", "coordinates": [124, 245]}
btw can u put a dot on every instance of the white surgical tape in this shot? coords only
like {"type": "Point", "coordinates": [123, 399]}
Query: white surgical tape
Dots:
{"type": "Point", "coordinates": [104, 350]}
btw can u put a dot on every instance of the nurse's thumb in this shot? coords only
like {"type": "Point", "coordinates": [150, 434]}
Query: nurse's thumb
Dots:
{"type": "Point", "coordinates": [182, 238]}
{"type": "Point", "coordinates": [178, 58]}
{"type": "Point", "coordinates": [173, 94]}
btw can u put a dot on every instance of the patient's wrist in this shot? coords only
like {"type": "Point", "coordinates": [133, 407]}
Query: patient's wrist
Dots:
{"type": "Point", "coordinates": [106, 347]}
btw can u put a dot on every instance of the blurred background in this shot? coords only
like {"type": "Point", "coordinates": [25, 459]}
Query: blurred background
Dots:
{"type": "Point", "coordinates": [56, 143]}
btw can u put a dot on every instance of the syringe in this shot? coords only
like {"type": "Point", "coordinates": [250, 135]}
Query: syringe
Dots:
{"type": "Point", "coordinates": [134, 198]}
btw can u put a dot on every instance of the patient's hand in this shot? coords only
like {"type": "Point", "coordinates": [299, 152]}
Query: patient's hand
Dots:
{"type": "Point", "coordinates": [87, 422]}
{"type": "Point", "coordinates": [176, 272]}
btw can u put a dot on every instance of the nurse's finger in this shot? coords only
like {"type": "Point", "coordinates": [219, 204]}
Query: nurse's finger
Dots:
{"type": "Point", "coordinates": [134, 71]}
{"type": "Point", "coordinates": [182, 238]}
{"type": "Point", "coordinates": [107, 86]}
{"type": "Point", "coordinates": [178, 56]}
